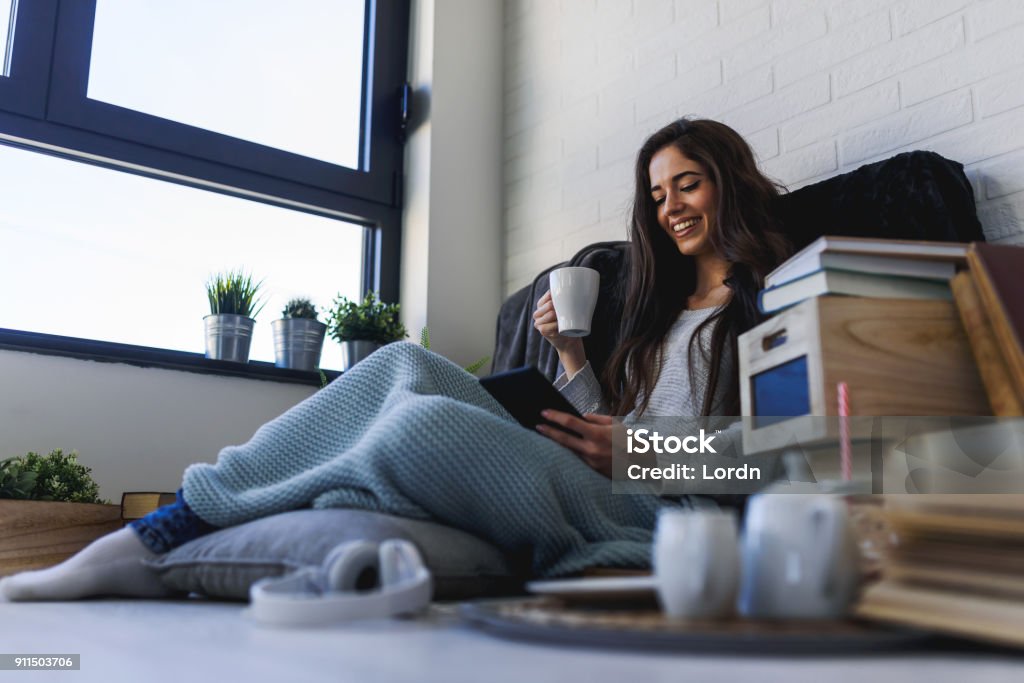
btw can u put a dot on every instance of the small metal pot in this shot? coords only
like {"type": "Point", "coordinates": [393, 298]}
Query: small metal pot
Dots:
{"type": "Point", "coordinates": [298, 343]}
{"type": "Point", "coordinates": [228, 337]}
{"type": "Point", "coordinates": [354, 351]}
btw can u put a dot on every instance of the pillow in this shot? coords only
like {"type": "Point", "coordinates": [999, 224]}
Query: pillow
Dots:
{"type": "Point", "coordinates": [225, 563]}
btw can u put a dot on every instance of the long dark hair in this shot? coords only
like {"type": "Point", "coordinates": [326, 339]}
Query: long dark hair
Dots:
{"type": "Point", "coordinates": [660, 280]}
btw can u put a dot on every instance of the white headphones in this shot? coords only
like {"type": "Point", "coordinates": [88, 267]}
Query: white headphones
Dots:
{"type": "Point", "coordinates": [357, 580]}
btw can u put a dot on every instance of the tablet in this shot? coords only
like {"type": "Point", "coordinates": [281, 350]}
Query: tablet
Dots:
{"type": "Point", "coordinates": [525, 392]}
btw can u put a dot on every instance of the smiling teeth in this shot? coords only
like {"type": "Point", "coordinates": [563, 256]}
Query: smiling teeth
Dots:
{"type": "Point", "coordinates": [679, 227]}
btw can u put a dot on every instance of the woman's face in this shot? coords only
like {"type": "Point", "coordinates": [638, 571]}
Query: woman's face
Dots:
{"type": "Point", "coordinates": [686, 200]}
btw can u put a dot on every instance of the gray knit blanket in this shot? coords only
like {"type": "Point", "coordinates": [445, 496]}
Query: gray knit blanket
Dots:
{"type": "Point", "coordinates": [408, 433]}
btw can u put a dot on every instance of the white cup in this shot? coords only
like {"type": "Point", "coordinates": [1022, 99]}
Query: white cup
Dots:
{"type": "Point", "coordinates": [574, 295]}
{"type": "Point", "coordinates": [800, 557]}
{"type": "Point", "coordinates": [696, 563]}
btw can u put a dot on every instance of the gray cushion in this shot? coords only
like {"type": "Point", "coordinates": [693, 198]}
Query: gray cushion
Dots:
{"type": "Point", "coordinates": [225, 563]}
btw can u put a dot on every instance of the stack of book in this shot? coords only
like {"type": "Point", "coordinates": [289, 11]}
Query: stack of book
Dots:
{"type": "Point", "coordinates": [853, 266]}
{"type": "Point", "coordinates": [958, 567]}
{"type": "Point", "coordinates": [991, 304]}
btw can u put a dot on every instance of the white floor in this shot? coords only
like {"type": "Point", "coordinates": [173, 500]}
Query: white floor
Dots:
{"type": "Point", "coordinates": [193, 641]}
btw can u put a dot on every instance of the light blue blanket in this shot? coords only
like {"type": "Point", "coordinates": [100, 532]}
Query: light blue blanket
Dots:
{"type": "Point", "coordinates": [409, 433]}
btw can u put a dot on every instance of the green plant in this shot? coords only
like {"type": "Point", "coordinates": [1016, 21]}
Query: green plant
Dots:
{"type": "Point", "coordinates": [471, 368]}
{"type": "Point", "coordinates": [57, 476]}
{"type": "Point", "coordinates": [299, 308]}
{"type": "Point", "coordinates": [234, 292]}
{"type": "Point", "coordinates": [372, 320]}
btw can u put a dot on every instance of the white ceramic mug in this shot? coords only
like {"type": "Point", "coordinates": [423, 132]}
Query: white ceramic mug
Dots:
{"type": "Point", "coordinates": [574, 295]}
{"type": "Point", "coordinates": [696, 563]}
{"type": "Point", "coordinates": [799, 556]}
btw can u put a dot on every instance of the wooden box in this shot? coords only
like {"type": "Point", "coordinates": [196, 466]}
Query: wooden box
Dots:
{"type": "Point", "coordinates": [36, 534]}
{"type": "Point", "coordinates": [898, 357]}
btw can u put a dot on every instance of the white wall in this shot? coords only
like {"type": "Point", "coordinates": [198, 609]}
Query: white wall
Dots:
{"type": "Point", "coordinates": [137, 428]}
{"type": "Point", "coordinates": [817, 86]}
{"type": "Point", "coordinates": [451, 243]}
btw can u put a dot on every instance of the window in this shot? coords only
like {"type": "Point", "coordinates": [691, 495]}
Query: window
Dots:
{"type": "Point", "coordinates": [134, 275]}
{"type": "Point", "coordinates": [293, 111]}
{"type": "Point", "coordinates": [305, 99]}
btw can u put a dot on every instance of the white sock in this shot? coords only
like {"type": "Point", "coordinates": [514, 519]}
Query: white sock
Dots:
{"type": "Point", "coordinates": [111, 565]}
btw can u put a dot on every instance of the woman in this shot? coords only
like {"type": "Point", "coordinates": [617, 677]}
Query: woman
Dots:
{"type": "Point", "coordinates": [702, 238]}
{"type": "Point", "coordinates": [409, 433]}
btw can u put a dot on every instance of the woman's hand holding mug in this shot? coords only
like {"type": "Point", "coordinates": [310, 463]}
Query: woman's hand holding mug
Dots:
{"type": "Point", "coordinates": [574, 291]}
{"type": "Point", "coordinates": [570, 349]}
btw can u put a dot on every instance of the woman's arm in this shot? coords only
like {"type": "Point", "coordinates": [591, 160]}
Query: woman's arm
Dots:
{"type": "Point", "coordinates": [580, 386]}
{"type": "Point", "coordinates": [578, 383]}
{"type": "Point", "coordinates": [570, 349]}
{"type": "Point", "coordinates": [583, 391]}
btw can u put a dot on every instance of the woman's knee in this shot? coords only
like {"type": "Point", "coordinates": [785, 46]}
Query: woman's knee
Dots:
{"type": "Point", "coordinates": [399, 350]}
{"type": "Point", "coordinates": [393, 355]}
{"type": "Point", "coordinates": [407, 355]}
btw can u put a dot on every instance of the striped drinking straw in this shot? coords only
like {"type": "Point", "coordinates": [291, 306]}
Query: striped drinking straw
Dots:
{"type": "Point", "coordinates": [845, 447]}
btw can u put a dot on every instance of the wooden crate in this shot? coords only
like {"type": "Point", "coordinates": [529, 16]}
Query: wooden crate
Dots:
{"type": "Point", "coordinates": [899, 357]}
{"type": "Point", "coordinates": [37, 534]}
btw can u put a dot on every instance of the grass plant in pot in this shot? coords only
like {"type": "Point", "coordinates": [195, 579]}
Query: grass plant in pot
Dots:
{"type": "Point", "coordinates": [362, 328]}
{"type": "Point", "coordinates": [298, 336]}
{"type": "Point", "coordinates": [233, 308]}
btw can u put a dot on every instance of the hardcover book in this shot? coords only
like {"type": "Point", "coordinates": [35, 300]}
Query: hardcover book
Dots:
{"type": "Point", "coordinates": [863, 263]}
{"type": "Point", "coordinates": [997, 270]}
{"type": "Point", "coordinates": [1003, 396]}
{"type": "Point", "coordinates": [850, 284]}
{"type": "Point", "coordinates": [138, 504]}
{"type": "Point", "coordinates": [810, 257]}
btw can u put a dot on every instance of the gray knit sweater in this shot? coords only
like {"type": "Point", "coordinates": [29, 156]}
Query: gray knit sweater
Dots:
{"type": "Point", "coordinates": [677, 390]}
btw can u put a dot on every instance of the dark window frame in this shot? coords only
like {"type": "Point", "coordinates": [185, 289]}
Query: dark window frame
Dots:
{"type": "Point", "coordinates": [24, 89]}
{"type": "Point", "coordinates": [43, 106]}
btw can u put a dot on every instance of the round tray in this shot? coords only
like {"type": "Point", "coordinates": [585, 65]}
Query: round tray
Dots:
{"type": "Point", "coordinates": [552, 621]}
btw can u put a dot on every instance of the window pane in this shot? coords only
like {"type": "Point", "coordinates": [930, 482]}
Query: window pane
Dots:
{"type": "Point", "coordinates": [8, 10]}
{"type": "Point", "coordinates": [101, 254]}
{"type": "Point", "coordinates": [286, 75]}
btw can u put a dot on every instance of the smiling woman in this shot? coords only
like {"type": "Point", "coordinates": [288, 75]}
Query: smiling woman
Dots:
{"type": "Point", "coordinates": [702, 238]}
{"type": "Point", "coordinates": [687, 201]}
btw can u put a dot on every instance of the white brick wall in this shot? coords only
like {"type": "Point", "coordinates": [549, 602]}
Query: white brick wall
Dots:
{"type": "Point", "coordinates": [818, 87]}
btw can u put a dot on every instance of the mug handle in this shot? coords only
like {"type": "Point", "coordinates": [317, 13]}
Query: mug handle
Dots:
{"type": "Point", "coordinates": [830, 528]}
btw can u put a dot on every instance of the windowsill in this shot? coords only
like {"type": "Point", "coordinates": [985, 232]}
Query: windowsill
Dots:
{"type": "Point", "coordinates": [147, 357]}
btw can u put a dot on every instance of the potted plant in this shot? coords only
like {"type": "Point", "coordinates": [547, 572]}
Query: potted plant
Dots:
{"type": "Point", "coordinates": [362, 328]}
{"type": "Point", "coordinates": [298, 336]}
{"type": "Point", "coordinates": [49, 510]}
{"type": "Point", "coordinates": [233, 308]}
